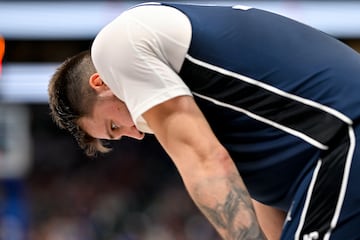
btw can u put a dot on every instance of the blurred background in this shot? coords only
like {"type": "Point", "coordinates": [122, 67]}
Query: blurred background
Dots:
{"type": "Point", "coordinates": [49, 190]}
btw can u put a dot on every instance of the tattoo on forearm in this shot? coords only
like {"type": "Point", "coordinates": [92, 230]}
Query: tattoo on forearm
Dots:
{"type": "Point", "coordinates": [235, 216]}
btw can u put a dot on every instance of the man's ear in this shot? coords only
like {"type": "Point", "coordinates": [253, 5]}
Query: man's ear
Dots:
{"type": "Point", "coordinates": [97, 83]}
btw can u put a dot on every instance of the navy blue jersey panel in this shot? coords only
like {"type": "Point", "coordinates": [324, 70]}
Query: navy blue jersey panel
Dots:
{"type": "Point", "coordinates": [278, 51]}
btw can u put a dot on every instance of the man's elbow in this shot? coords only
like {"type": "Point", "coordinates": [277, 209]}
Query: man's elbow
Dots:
{"type": "Point", "coordinates": [218, 159]}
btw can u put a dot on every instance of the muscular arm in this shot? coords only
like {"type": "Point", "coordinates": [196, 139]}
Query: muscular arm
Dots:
{"type": "Point", "coordinates": [207, 170]}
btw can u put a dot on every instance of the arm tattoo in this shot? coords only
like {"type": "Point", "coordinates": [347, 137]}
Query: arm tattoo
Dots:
{"type": "Point", "coordinates": [230, 215]}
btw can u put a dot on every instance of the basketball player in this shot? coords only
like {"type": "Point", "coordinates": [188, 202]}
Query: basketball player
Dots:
{"type": "Point", "coordinates": [247, 103]}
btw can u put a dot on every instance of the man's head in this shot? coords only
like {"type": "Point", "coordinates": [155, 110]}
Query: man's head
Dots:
{"type": "Point", "coordinates": [71, 97]}
{"type": "Point", "coordinates": [82, 103]}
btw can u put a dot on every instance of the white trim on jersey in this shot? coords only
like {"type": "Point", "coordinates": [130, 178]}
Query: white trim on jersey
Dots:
{"type": "Point", "coordinates": [307, 201]}
{"type": "Point", "coordinates": [344, 183]}
{"type": "Point", "coordinates": [267, 121]}
{"type": "Point", "coordinates": [273, 89]}
{"type": "Point", "coordinates": [308, 102]}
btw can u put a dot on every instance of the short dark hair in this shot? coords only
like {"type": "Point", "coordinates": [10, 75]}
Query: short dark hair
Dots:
{"type": "Point", "coordinates": [71, 97]}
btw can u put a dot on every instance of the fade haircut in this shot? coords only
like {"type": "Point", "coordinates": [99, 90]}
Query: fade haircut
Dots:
{"type": "Point", "coordinates": [71, 97]}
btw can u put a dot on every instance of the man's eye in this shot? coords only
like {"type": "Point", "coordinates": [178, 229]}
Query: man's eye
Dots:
{"type": "Point", "coordinates": [114, 126]}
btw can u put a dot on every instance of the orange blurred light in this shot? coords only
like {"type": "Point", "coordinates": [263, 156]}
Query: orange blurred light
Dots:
{"type": "Point", "coordinates": [2, 51]}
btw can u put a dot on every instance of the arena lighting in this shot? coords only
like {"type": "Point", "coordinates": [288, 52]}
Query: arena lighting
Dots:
{"type": "Point", "coordinates": [83, 19]}
{"type": "Point", "coordinates": [25, 83]}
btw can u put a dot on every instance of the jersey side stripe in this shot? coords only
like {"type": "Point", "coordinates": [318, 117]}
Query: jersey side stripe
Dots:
{"type": "Point", "coordinates": [344, 183]}
{"type": "Point", "coordinates": [293, 114]}
{"type": "Point", "coordinates": [307, 201]}
{"type": "Point", "coordinates": [271, 88]}
{"type": "Point", "coordinates": [267, 121]}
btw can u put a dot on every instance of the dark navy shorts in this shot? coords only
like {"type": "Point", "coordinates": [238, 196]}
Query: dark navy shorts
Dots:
{"type": "Point", "coordinates": [327, 204]}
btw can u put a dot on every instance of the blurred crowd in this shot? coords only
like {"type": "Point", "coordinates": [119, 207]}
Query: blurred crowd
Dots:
{"type": "Point", "coordinates": [80, 213]}
{"type": "Point", "coordinates": [132, 193]}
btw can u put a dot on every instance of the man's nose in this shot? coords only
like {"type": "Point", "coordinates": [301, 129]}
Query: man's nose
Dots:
{"type": "Point", "coordinates": [132, 132]}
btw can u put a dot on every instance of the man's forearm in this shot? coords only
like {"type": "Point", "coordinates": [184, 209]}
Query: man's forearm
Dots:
{"type": "Point", "coordinates": [227, 205]}
{"type": "Point", "coordinates": [206, 168]}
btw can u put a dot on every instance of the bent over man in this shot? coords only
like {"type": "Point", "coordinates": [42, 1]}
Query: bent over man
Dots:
{"type": "Point", "coordinates": [248, 104]}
